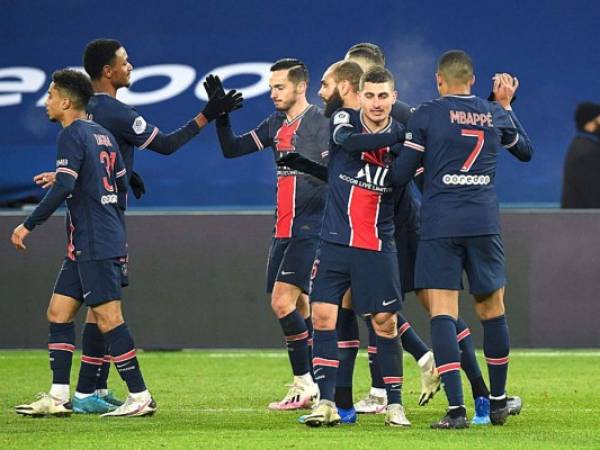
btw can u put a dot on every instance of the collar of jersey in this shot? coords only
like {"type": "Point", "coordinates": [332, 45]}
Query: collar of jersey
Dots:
{"type": "Point", "coordinates": [299, 116]}
{"type": "Point", "coordinates": [387, 127]}
{"type": "Point", "coordinates": [590, 136]}
{"type": "Point", "coordinates": [460, 96]}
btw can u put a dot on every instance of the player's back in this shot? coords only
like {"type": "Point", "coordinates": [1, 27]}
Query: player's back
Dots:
{"type": "Point", "coordinates": [95, 222]}
{"type": "Point", "coordinates": [461, 136]}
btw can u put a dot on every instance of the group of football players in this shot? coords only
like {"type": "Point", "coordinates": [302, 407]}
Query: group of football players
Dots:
{"type": "Point", "coordinates": [375, 199]}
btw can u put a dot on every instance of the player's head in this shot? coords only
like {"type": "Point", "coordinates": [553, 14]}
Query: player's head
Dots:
{"type": "Point", "coordinates": [107, 59]}
{"type": "Point", "coordinates": [366, 55]}
{"type": "Point", "coordinates": [288, 83]}
{"type": "Point", "coordinates": [454, 70]}
{"type": "Point", "coordinates": [587, 117]}
{"type": "Point", "coordinates": [377, 94]}
{"type": "Point", "coordinates": [70, 91]}
{"type": "Point", "coordinates": [339, 80]}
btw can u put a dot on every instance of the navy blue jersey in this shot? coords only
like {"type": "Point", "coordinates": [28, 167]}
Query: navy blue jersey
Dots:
{"type": "Point", "coordinates": [458, 139]}
{"type": "Point", "coordinates": [300, 197]}
{"type": "Point", "coordinates": [406, 201]}
{"type": "Point", "coordinates": [360, 204]}
{"type": "Point", "coordinates": [125, 123]}
{"type": "Point", "coordinates": [95, 223]}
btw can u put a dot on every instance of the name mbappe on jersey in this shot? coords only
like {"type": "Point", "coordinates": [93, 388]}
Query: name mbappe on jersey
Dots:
{"type": "Point", "coordinates": [360, 206]}
{"type": "Point", "coordinates": [460, 137]}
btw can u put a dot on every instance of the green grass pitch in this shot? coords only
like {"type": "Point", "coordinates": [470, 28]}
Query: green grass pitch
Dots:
{"type": "Point", "coordinates": [217, 399]}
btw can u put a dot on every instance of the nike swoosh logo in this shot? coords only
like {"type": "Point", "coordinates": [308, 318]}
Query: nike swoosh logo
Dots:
{"type": "Point", "coordinates": [283, 272]}
{"type": "Point", "coordinates": [317, 370]}
{"type": "Point", "coordinates": [389, 302]}
{"type": "Point", "coordinates": [86, 294]}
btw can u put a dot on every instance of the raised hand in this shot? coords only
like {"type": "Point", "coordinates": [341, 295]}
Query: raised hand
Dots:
{"type": "Point", "coordinates": [504, 88]}
{"type": "Point", "coordinates": [219, 104]}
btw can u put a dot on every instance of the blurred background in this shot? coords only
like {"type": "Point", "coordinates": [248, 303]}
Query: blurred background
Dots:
{"type": "Point", "coordinates": [552, 47]}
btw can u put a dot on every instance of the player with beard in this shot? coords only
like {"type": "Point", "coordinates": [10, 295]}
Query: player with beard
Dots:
{"type": "Point", "coordinates": [357, 245]}
{"type": "Point", "coordinates": [107, 63]}
{"type": "Point", "coordinates": [295, 127]}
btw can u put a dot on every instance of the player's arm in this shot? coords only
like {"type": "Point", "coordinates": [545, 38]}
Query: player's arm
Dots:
{"type": "Point", "coordinates": [345, 135]}
{"type": "Point", "coordinates": [300, 163]}
{"type": "Point", "coordinates": [406, 164]}
{"type": "Point", "coordinates": [234, 146]}
{"type": "Point", "coordinates": [409, 159]}
{"type": "Point", "coordinates": [513, 136]}
{"type": "Point", "coordinates": [121, 182]}
{"type": "Point", "coordinates": [68, 162]}
{"type": "Point", "coordinates": [167, 144]}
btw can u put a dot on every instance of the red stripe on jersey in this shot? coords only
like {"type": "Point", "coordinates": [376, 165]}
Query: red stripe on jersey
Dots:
{"type": "Point", "coordinates": [363, 212]}
{"type": "Point", "coordinates": [71, 245]}
{"type": "Point", "coordinates": [286, 206]}
{"type": "Point", "coordinates": [372, 349]}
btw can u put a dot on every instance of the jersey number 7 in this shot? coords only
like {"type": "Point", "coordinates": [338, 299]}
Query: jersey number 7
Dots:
{"type": "Point", "coordinates": [476, 150]}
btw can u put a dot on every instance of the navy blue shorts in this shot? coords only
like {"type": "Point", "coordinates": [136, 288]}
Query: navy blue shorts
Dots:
{"type": "Point", "coordinates": [406, 244]}
{"type": "Point", "coordinates": [290, 261]}
{"type": "Point", "coordinates": [440, 264]}
{"type": "Point", "coordinates": [372, 275]}
{"type": "Point", "coordinates": [90, 282]}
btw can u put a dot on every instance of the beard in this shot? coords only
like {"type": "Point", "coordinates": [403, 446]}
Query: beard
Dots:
{"type": "Point", "coordinates": [334, 103]}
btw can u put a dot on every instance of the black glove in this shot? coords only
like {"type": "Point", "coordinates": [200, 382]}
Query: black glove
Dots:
{"type": "Point", "coordinates": [298, 162]}
{"type": "Point", "coordinates": [492, 98]}
{"type": "Point", "coordinates": [136, 183]}
{"type": "Point", "coordinates": [218, 105]}
{"type": "Point", "coordinates": [213, 85]}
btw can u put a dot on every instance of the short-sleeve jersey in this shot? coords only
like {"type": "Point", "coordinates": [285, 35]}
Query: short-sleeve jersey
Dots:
{"type": "Point", "coordinates": [460, 137]}
{"type": "Point", "coordinates": [128, 127]}
{"type": "Point", "coordinates": [360, 203]}
{"type": "Point", "coordinates": [95, 223]}
{"type": "Point", "coordinates": [300, 197]}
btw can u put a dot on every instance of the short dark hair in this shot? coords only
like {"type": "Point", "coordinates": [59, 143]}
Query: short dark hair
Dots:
{"type": "Point", "coordinates": [348, 71]}
{"type": "Point", "coordinates": [99, 53]}
{"type": "Point", "coordinates": [368, 51]}
{"type": "Point", "coordinates": [456, 65]}
{"type": "Point", "coordinates": [297, 70]}
{"type": "Point", "coordinates": [376, 74]}
{"type": "Point", "coordinates": [75, 85]}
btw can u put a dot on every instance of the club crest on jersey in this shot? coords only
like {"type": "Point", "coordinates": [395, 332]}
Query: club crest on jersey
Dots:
{"type": "Point", "coordinates": [139, 125]}
{"type": "Point", "coordinates": [341, 117]}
